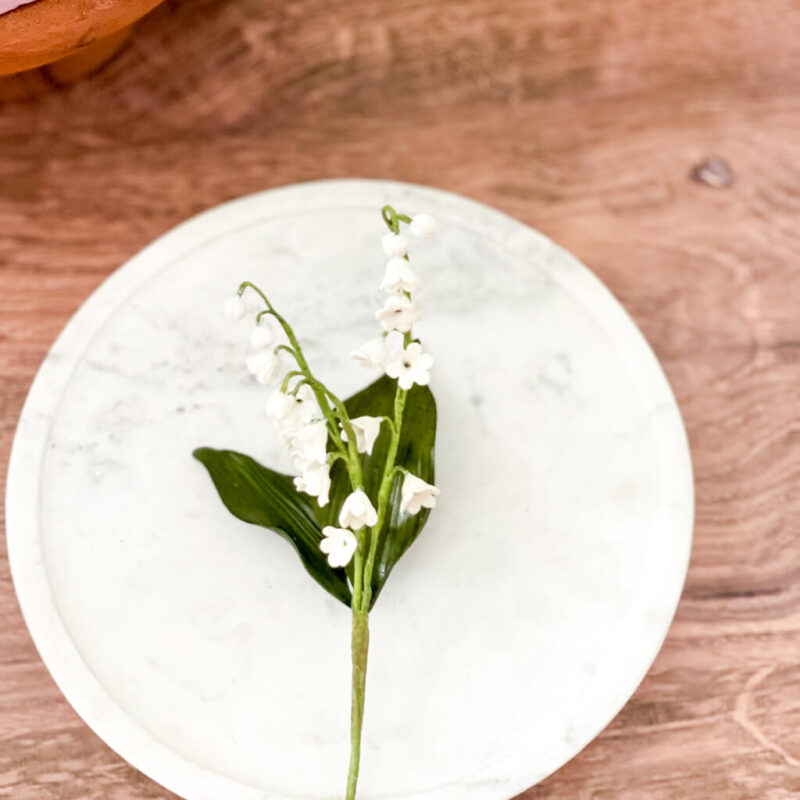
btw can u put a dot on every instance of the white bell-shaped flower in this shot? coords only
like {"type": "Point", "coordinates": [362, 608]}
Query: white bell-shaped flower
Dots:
{"type": "Point", "coordinates": [280, 406]}
{"type": "Point", "coordinates": [399, 277]}
{"type": "Point", "coordinates": [261, 337]}
{"type": "Point", "coordinates": [393, 343]}
{"type": "Point", "coordinates": [316, 482]}
{"type": "Point", "coordinates": [395, 245]}
{"type": "Point", "coordinates": [306, 405]}
{"type": "Point", "coordinates": [366, 430]}
{"type": "Point", "coordinates": [370, 354]}
{"type": "Point", "coordinates": [410, 365]}
{"type": "Point", "coordinates": [357, 511]}
{"type": "Point", "coordinates": [265, 366]}
{"type": "Point", "coordinates": [398, 313]}
{"type": "Point", "coordinates": [235, 308]}
{"type": "Point", "coordinates": [288, 428]}
{"type": "Point", "coordinates": [423, 226]}
{"type": "Point", "coordinates": [339, 545]}
{"type": "Point", "coordinates": [309, 444]}
{"type": "Point", "coordinates": [417, 494]}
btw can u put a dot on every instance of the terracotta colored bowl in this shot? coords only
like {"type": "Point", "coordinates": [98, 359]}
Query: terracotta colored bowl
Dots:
{"type": "Point", "coordinates": [49, 31]}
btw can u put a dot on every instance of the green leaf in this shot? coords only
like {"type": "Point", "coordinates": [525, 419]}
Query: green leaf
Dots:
{"type": "Point", "coordinates": [415, 452]}
{"type": "Point", "coordinates": [264, 497]}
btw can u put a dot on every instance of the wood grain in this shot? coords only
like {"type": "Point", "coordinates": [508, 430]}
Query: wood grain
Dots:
{"type": "Point", "coordinates": [585, 118]}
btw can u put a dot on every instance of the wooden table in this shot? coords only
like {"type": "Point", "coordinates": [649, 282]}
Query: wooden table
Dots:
{"type": "Point", "coordinates": [586, 119]}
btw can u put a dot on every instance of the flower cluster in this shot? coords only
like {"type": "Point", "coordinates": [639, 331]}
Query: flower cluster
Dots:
{"type": "Point", "coordinates": [313, 423]}
{"type": "Point", "coordinates": [357, 467]}
{"type": "Point", "coordinates": [395, 353]}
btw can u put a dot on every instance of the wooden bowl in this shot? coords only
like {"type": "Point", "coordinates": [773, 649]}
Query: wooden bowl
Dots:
{"type": "Point", "coordinates": [82, 32]}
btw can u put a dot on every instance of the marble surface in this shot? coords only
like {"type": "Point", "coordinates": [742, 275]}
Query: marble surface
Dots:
{"type": "Point", "coordinates": [509, 635]}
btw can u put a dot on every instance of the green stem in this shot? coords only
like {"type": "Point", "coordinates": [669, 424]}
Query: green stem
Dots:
{"type": "Point", "coordinates": [330, 418]}
{"type": "Point", "coordinates": [359, 649]}
{"type": "Point", "coordinates": [362, 597]}
{"type": "Point", "coordinates": [321, 392]}
{"type": "Point", "coordinates": [287, 379]}
{"type": "Point", "coordinates": [362, 570]}
{"type": "Point", "coordinates": [393, 219]}
{"type": "Point", "coordinates": [355, 459]}
{"type": "Point", "coordinates": [384, 492]}
{"type": "Point", "coordinates": [288, 349]}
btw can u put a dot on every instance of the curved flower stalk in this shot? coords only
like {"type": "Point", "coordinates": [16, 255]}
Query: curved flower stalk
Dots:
{"type": "Point", "coordinates": [363, 487]}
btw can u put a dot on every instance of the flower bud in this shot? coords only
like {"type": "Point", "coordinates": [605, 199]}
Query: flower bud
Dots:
{"type": "Point", "coordinates": [423, 226]}
{"type": "Point", "coordinates": [235, 308]}
{"type": "Point", "coordinates": [261, 337]}
{"type": "Point", "coordinates": [395, 245]}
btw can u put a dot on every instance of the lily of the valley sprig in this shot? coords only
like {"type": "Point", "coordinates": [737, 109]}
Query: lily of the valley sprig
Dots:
{"type": "Point", "coordinates": [364, 467]}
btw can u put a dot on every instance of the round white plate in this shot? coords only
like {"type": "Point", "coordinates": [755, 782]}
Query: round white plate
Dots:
{"type": "Point", "coordinates": [513, 630]}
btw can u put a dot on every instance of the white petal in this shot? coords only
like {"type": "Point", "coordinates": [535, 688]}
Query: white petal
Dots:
{"type": "Point", "coordinates": [395, 245]}
{"type": "Point", "coordinates": [289, 426]}
{"type": "Point", "coordinates": [394, 369]}
{"type": "Point", "coordinates": [309, 444]}
{"type": "Point", "coordinates": [396, 355]}
{"type": "Point", "coordinates": [410, 279]}
{"type": "Point", "coordinates": [258, 362]}
{"type": "Point", "coordinates": [406, 381]}
{"type": "Point", "coordinates": [366, 430]}
{"type": "Point", "coordinates": [349, 548]}
{"type": "Point", "coordinates": [420, 376]}
{"type": "Point", "coordinates": [399, 277]}
{"type": "Point", "coordinates": [398, 313]}
{"type": "Point", "coordinates": [423, 226]}
{"type": "Point", "coordinates": [235, 308]}
{"type": "Point", "coordinates": [261, 337]}
{"type": "Point", "coordinates": [307, 406]}
{"type": "Point", "coordinates": [302, 463]}
{"type": "Point", "coordinates": [279, 406]}
{"type": "Point", "coordinates": [413, 352]}
{"type": "Point", "coordinates": [316, 482]}
{"type": "Point", "coordinates": [357, 511]}
{"type": "Point", "coordinates": [394, 342]}
{"type": "Point", "coordinates": [370, 354]}
{"type": "Point", "coordinates": [416, 494]}
{"type": "Point", "coordinates": [425, 361]}
{"type": "Point", "coordinates": [271, 374]}
{"type": "Point", "coordinates": [339, 544]}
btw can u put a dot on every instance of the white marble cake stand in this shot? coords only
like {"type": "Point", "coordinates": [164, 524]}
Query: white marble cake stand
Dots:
{"type": "Point", "coordinates": [516, 627]}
